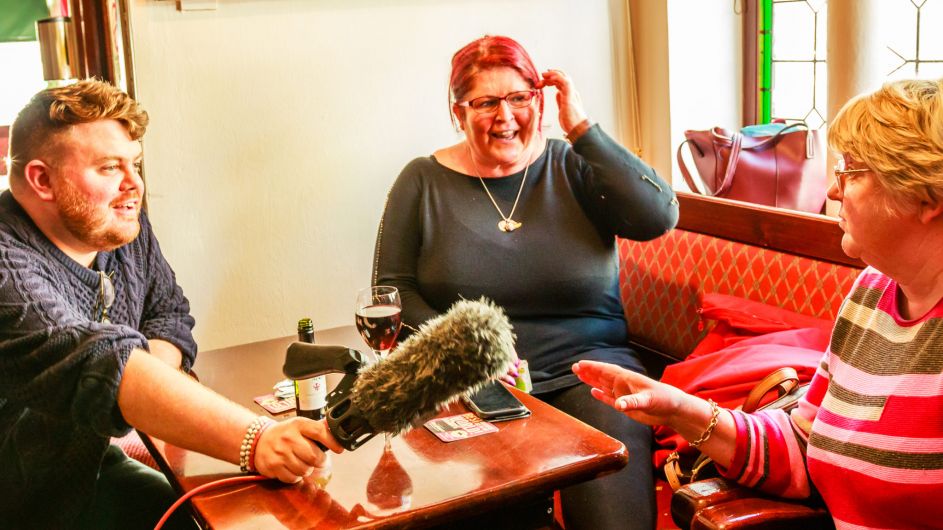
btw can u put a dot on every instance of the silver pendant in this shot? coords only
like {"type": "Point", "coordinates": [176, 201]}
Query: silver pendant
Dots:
{"type": "Point", "coordinates": [508, 225]}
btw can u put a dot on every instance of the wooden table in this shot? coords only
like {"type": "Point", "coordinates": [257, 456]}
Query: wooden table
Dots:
{"type": "Point", "coordinates": [423, 482]}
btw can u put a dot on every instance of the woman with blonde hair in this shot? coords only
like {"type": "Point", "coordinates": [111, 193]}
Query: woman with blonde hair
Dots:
{"type": "Point", "coordinates": [868, 436]}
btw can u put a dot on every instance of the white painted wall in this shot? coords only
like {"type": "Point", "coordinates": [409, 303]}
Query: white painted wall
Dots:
{"type": "Point", "coordinates": [704, 47]}
{"type": "Point", "coordinates": [277, 127]}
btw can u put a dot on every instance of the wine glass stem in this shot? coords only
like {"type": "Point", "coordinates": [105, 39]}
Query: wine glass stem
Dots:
{"type": "Point", "coordinates": [387, 437]}
{"type": "Point", "coordinates": [380, 354]}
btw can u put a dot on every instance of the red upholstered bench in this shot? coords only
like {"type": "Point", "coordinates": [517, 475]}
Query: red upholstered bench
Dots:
{"type": "Point", "coordinates": [781, 259]}
{"type": "Point", "coordinates": [663, 283]}
{"type": "Point", "coordinates": [134, 447]}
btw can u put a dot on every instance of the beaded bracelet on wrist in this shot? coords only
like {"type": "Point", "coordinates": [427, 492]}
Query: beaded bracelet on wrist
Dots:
{"type": "Point", "coordinates": [249, 442]}
{"type": "Point", "coordinates": [255, 444]}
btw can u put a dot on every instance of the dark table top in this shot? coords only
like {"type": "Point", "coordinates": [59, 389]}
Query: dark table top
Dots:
{"type": "Point", "coordinates": [421, 482]}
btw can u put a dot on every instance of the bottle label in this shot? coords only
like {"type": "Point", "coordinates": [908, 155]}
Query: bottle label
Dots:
{"type": "Point", "coordinates": [312, 393]}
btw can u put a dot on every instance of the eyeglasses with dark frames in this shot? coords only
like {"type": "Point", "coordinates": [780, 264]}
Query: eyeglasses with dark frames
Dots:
{"type": "Point", "coordinates": [106, 296]}
{"type": "Point", "coordinates": [841, 173]}
{"type": "Point", "coordinates": [490, 104]}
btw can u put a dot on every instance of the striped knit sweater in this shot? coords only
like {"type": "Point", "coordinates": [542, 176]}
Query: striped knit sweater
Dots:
{"type": "Point", "coordinates": [869, 433]}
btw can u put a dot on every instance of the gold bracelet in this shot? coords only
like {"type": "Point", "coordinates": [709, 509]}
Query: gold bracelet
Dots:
{"type": "Point", "coordinates": [715, 413]}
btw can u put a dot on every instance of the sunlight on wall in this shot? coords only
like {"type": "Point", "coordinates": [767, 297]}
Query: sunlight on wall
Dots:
{"type": "Point", "coordinates": [22, 75]}
{"type": "Point", "coordinates": [277, 127]}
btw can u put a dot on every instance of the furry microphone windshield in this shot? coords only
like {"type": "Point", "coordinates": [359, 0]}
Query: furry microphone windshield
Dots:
{"type": "Point", "coordinates": [451, 355]}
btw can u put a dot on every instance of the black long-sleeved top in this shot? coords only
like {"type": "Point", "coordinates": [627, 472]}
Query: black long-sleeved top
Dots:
{"type": "Point", "coordinates": [556, 276]}
{"type": "Point", "coordinates": [60, 367]}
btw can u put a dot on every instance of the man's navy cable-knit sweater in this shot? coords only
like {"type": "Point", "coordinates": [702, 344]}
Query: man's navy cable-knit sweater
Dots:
{"type": "Point", "coordinates": [60, 367]}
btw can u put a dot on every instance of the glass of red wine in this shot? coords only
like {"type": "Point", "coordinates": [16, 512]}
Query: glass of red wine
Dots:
{"type": "Point", "coordinates": [379, 318]}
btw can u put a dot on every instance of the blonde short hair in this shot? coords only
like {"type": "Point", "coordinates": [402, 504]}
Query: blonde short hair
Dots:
{"type": "Point", "coordinates": [51, 112]}
{"type": "Point", "coordinates": [897, 131]}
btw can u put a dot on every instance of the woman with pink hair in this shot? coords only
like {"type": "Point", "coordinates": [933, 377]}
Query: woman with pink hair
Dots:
{"type": "Point", "coordinates": [530, 223]}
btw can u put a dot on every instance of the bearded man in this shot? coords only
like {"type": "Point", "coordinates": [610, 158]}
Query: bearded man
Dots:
{"type": "Point", "coordinates": [95, 333]}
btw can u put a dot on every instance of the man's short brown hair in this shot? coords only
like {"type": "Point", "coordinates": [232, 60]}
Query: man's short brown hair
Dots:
{"type": "Point", "coordinates": [51, 112]}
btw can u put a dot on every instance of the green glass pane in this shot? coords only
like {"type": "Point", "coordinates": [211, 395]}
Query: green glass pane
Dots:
{"type": "Point", "coordinates": [18, 22]}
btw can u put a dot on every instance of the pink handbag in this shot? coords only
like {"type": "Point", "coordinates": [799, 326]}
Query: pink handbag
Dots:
{"type": "Point", "coordinates": [773, 164]}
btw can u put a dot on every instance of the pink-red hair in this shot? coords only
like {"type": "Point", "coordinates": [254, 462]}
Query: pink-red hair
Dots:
{"type": "Point", "coordinates": [491, 52]}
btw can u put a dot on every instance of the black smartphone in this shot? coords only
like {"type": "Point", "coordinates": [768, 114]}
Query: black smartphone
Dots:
{"type": "Point", "coordinates": [494, 402]}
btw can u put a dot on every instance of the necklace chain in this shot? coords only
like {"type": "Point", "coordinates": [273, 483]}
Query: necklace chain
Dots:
{"type": "Point", "coordinates": [506, 224]}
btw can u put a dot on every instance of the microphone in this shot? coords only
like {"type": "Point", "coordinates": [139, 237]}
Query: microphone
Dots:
{"type": "Point", "coordinates": [451, 355]}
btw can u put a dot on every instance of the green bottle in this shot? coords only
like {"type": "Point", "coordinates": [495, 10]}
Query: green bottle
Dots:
{"type": "Point", "coordinates": [311, 393]}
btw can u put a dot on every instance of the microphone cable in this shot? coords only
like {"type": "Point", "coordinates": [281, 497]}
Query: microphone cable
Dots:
{"type": "Point", "coordinates": [208, 486]}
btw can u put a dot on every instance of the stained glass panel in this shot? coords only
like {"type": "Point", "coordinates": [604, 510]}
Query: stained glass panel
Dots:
{"type": "Point", "coordinates": [792, 89]}
{"type": "Point", "coordinates": [792, 19]}
{"type": "Point", "coordinates": [798, 62]}
{"type": "Point", "coordinates": [931, 25]}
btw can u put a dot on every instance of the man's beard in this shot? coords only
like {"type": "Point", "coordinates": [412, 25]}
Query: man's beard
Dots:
{"type": "Point", "coordinates": [89, 223]}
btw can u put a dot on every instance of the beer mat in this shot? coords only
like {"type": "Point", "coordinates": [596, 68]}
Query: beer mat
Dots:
{"type": "Point", "coordinates": [275, 405]}
{"type": "Point", "coordinates": [284, 389]}
{"type": "Point", "coordinates": [459, 427]}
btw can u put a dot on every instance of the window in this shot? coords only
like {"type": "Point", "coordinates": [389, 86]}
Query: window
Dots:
{"type": "Point", "coordinates": [22, 70]}
{"type": "Point", "coordinates": [791, 81]}
{"type": "Point", "coordinates": [913, 42]}
{"type": "Point", "coordinates": [797, 72]}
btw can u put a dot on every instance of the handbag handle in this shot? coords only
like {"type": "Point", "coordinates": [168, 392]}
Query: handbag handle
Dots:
{"type": "Point", "coordinates": [783, 380]}
{"type": "Point", "coordinates": [736, 144]}
{"type": "Point", "coordinates": [809, 141]}
{"type": "Point", "coordinates": [684, 169]}
{"type": "Point", "coordinates": [728, 176]}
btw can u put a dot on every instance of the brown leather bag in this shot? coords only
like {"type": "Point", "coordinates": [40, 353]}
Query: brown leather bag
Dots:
{"type": "Point", "coordinates": [773, 164]}
{"type": "Point", "coordinates": [785, 381]}
{"type": "Point", "coordinates": [719, 504]}
{"type": "Point", "coordinates": [715, 503]}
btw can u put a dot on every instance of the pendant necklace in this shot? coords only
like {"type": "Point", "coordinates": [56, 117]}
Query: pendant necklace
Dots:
{"type": "Point", "coordinates": [506, 224]}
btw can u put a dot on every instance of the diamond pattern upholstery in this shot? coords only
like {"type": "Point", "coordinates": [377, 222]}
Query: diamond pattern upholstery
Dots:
{"type": "Point", "coordinates": [662, 283]}
{"type": "Point", "coordinates": [134, 447]}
